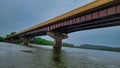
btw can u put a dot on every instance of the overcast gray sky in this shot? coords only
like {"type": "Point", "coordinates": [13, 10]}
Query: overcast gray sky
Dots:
{"type": "Point", "coordinates": [17, 15]}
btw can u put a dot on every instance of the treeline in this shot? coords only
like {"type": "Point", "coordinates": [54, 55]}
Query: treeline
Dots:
{"type": "Point", "coordinates": [37, 40]}
{"type": "Point", "coordinates": [2, 39]}
{"type": "Point", "coordinates": [98, 47]}
{"type": "Point", "coordinates": [42, 41]}
{"type": "Point", "coordinates": [67, 44]}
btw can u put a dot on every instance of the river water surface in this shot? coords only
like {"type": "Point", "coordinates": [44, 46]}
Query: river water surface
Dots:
{"type": "Point", "coordinates": [19, 56]}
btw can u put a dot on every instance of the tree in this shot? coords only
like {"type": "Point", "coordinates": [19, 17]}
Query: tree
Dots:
{"type": "Point", "coordinates": [2, 39]}
{"type": "Point", "coordinates": [12, 33]}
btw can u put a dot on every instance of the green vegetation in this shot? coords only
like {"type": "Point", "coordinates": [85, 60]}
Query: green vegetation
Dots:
{"type": "Point", "coordinates": [2, 39]}
{"type": "Point", "coordinates": [12, 33]}
{"type": "Point", "coordinates": [20, 41]}
{"type": "Point", "coordinates": [41, 41]}
{"type": "Point", "coordinates": [98, 47]}
{"type": "Point", "coordinates": [67, 44]}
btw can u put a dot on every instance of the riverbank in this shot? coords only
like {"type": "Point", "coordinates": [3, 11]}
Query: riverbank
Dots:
{"type": "Point", "coordinates": [41, 41]}
{"type": "Point", "coordinates": [98, 47]}
{"type": "Point", "coordinates": [38, 40]}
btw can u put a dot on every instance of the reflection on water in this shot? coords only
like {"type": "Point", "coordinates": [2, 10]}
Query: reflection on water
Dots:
{"type": "Point", "coordinates": [57, 59]}
{"type": "Point", "coordinates": [57, 55]}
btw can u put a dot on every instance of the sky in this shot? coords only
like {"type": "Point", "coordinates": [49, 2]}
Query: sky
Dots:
{"type": "Point", "coordinates": [18, 15]}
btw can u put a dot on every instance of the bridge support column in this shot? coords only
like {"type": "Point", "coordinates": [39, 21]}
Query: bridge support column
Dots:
{"type": "Point", "coordinates": [26, 42]}
{"type": "Point", "coordinates": [58, 37]}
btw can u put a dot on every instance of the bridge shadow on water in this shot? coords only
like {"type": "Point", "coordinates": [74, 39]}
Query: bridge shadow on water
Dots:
{"type": "Point", "coordinates": [57, 59]}
{"type": "Point", "coordinates": [56, 56]}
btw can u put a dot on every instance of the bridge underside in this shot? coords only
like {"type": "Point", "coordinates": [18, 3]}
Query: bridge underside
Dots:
{"type": "Point", "coordinates": [61, 33]}
{"type": "Point", "coordinates": [106, 21]}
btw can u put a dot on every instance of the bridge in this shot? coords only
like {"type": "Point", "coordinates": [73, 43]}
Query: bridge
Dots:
{"type": "Point", "coordinates": [97, 14]}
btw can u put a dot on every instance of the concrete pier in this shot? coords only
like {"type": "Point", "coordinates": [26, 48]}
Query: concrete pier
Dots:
{"type": "Point", "coordinates": [58, 37]}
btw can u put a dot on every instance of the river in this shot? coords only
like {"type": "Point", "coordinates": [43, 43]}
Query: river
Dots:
{"type": "Point", "coordinates": [19, 56]}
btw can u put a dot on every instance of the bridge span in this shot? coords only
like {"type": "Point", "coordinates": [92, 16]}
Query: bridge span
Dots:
{"type": "Point", "coordinates": [97, 14]}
